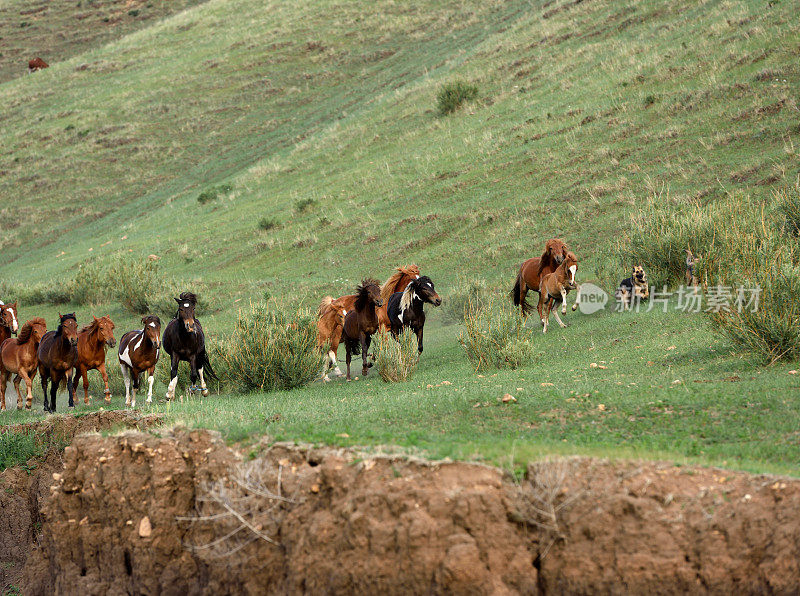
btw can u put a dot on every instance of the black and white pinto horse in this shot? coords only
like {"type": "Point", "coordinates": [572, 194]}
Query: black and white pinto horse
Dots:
{"type": "Point", "coordinates": [184, 340]}
{"type": "Point", "coordinates": [406, 308]}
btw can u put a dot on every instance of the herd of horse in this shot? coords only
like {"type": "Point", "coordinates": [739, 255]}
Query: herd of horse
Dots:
{"type": "Point", "coordinates": [351, 319]}
{"type": "Point", "coordinates": [55, 355]}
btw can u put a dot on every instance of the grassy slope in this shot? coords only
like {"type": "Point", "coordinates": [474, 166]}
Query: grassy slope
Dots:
{"type": "Point", "coordinates": [584, 109]}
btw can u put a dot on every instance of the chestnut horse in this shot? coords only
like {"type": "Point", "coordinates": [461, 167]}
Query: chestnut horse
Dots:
{"type": "Point", "coordinates": [18, 356]}
{"type": "Point", "coordinates": [138, 351]}
{"type": "Point", "coordinates": [361, 322]}
{"type": "Point", "coordinates": [184, 340]}
{"type": "Point", "coordinates": [554, 287]}
{"type": "Point", "coordinates": [93, 340]}
{"type": "Point", "coordinates": [532, 271]}
{"type": "Point", "coordinates": [57, 356]}
{"type": "Point", "coordinates": [331, 315]}
{"type": "Point", "coordinates": [8, 321]}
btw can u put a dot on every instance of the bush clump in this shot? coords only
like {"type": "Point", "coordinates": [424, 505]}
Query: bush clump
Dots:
{"type": "Point", "coordinates": [788, 201]}
{"type": "Point", "coordinates": [396, 359]}
{"type": "Point", "coordinates": [213, 193]}
{"type": "Point", "coordinates": [452, 95]}
{"type": "Point", "coordinates": [495, 336]}
{"type": "Point", "coordinates": [468, 295]}
{"type": "Point", "coordinates": [270, 350]}
{"type": "Point", "coordinates": [267, 223]}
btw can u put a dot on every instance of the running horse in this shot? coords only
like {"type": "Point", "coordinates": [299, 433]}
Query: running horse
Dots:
{"type": "Point", "coordinates": [184, 340]}
{"type": "Point", "coordinates": [331, 314]}
{"type": "Point", "coordinates": [138, 351]}
{"type": "Point", "coordinates": [93, 339]}
{"type": "Point", "coordinates": [8, 321]}
{"type": "Point", "coordinates": [407, 308]}
{"type": "Point", "coordinates": [361, 322]}
{"type": "Point", "coordinates": [57, 355]}
{"type": "Point", "coordinates": [18, 356]}
{"type": "Point", "coordinates": [533, 270]}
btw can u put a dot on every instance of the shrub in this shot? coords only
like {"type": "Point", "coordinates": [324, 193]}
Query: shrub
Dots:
{"type": "Point", "coordinates": [468, 295]}
{"type": "Point", "coordinates": [788, 201]}
{"type": "Point", "coordinates": [91, 285]}
{"type": "Point", "coordinates": [137, 283]}
{"type": "Point", "coordinates": [267, 223]}
{"type": "Point", "coordinates": [212, 194]}
{"type": "Point", "coordinates": [270, 350]}
{"type": "Point", "coordinates": [396, 359]}
{"type": "Point", "coordinates": [495, 336]}
{"type": "Point", "coordinates": [452, 95]}
{"type": "Point", "coordinates": [303, 205]}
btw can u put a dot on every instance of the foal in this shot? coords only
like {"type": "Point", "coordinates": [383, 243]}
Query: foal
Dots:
{"type": "Point", "coordinates": [533, 270]}
{"type": "Point", "coordinates": [8, 321]}
{"type": "Point", "coordinates": [554, 287]}
{"type": "Point", "coordinates": [361, 322]}
{"type": "Point", "coordinates": [18, 356]}
{"type": "Point", "coordinates": [57, 355]}
{"type": "Point", "coordinates": [93, 340]}
{"type": "Point", "coordinates": [138, 351]}
{"type": "Point", "coordinates": [184, 340]}
{"type": "Point", "coordinates": [406, 308]}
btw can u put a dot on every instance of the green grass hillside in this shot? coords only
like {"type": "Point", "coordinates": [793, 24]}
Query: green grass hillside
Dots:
{"type": "Point", "coordinates": [321, 119]}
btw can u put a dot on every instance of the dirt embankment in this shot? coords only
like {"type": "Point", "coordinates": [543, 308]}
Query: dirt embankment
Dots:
{"type": "Point", "coordinates": [26, 489]}
{"type": "Point", "coordinates": [122, 517]}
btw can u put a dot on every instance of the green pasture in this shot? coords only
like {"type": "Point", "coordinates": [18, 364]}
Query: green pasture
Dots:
{"type": "Point", "coordinates": [321, 120]}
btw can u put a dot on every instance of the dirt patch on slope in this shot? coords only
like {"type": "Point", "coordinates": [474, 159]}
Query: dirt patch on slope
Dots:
{"type": "Point", "coordinates": [119, 520]}
{"type": "Point", "coordinates": [25, 489]}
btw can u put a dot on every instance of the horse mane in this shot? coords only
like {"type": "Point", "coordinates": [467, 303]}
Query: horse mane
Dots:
{"type": "Point", "coordinates": [189, 297]}
{"type": "Point", "coordinates": [91, 327]}
{"type": "Point", "coordinates": [61, 322]}
{"type": "Point", "coordinates": [27, 329]}
{"type": "Point", "coordinates": [362, 293]}
{"type": "Point", "coordinates": [391, 285]}
{"type": "Point", "coordinates": [406, 299]}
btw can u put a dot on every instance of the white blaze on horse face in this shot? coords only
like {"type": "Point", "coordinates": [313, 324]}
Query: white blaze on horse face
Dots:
{"type": "Point", "coordinates": [417, 277]}
{"type": "Point", "coordinates": [185, 305]}
{"type": "Point", "coordinates": [572, 269]}
{"type": "Point", "coordinates": [152, 324]}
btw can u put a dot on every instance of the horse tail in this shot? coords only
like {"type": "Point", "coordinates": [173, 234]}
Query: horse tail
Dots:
{"type": "Point", "coordinates": [206, 365]}
{"type": "Point", "coordinates": [323, 306]}
{"type": "Point", "coordinates": [516, 295]}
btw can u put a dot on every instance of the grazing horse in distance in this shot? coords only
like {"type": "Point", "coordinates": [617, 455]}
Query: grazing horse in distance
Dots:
{"type": "Point", "coordinates": [138, 351]}
{"type": "Point", "coordinates": [93, 339]}
{"type": "Point", "coordinates": [184, 340]}
{"type": "Point", "coordinates": [37, 64]}
{"type": "Point", "coordinates": [329, 323]}
{"type": "Point", "coordinates": [19, 356]}
{"type": "Point", "coordinates": [554, 287]}
{"type": "Point", "coordinates": [406, 308]}
{"type": "Point", "coordinates": [361, 322]}
{"type": "Point", "coordinates": [57, 356]}
{"type": "Point", "coordinates": [532, 270]}
{"type": "Point", "coordinates": [8, 321]}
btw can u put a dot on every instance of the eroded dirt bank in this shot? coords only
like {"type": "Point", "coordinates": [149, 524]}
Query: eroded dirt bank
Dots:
{"type": "Point", "coordinates": [25, 489]}
{"type": "Point", "coordinates": [122, 518]}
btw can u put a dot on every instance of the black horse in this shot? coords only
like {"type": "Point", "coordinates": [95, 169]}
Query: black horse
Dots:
{"type": "Point", "coordinates": [58, 355]}
{"type": "Point", "coordinates": [406, 308]}
{"type": "Point", "coordinates": [184, 340]}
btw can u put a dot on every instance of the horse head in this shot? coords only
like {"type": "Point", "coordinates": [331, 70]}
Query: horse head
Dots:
{"type": "Point", "coordinates": [570, 265]}
{"type": "Point", "coordinates": [555, 250]}
{"type": "Point", "coordinates": [423, 287]}
{"type": "Point", "coordinates": [368, 292]}
{"type": "Point", "coordinates": [186, 304]}
{"type": "Point", "coordinates": [8, 317]}
{"type": "Point", "coordinates": [68, 327]}
{"type": "Point", "coordinates": [152, 329]}
{"type": "Point", "coordinates": [105, 328]}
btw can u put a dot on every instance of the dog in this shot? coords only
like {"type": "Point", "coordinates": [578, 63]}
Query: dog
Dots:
{"type": "Point", "coordinates": [633, 288]}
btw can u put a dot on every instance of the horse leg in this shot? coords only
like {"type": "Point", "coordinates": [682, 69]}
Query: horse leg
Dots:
{"type": "Point", "coordinates": [335, 339]}
{"type": "Point", "coordinates": [3, 382]}
{"type": "Point", "coordinates": [55, 380]}
{"type": "Point", "coordinates": [348, 357]}
{"type": "Point", "coordinates": [563, 302]}
{"type": "Point", "coordinates": [150, 372]}
{"type": "Point", "coordinates": [173, 376]}
{"type": "Point", "coordinates": [126, 376]}
{"type": "Point", "coordinates": [193, 373]}
{"type": "Point", "coordinates": [104, 374]}
{"type": "Point", "coordinates": [28, 378]}
{"type": "Point", "coordinates": [135, 377]}
{"type": "Point", "coordinates": [364, 338]}
{"type": "Point", "coordinates": [560, 322]}
{"type": "Point", "coordinates": [44, 373]}
{"type": "Point", "coordinates": [542, 304]}
{"type": "Point", "coordinates": [203, 387]}
{"type": "Point", "coordinates": [547, 308]}
{"type": "Point", "coordinates": [83, 373]}
{"type": "Point", "coordinates": [418, 332]}
{"type": "Point", "coordinates": [17, 379]}
{"type": "Point", "coordinates": [70, 389]}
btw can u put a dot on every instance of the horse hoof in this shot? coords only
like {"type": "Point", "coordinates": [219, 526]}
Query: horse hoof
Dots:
{"type": "Point", "coordinates": [574, 307]}
{"type": "Point", "coordinates": [149, 400]}
{"type": "Point", "coordinates": [205, 392]}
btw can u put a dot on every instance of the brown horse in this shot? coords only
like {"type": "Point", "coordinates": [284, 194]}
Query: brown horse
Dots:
{"type": "Point", "coordinates": [331, 315]}
{"type": "Point", "coordinates": [138, 351]}
{"type": "Point", "coordinates": [8, 321]}
{"type": "Point", "coordinates": [361, 322]}
{"type": "Point", "coordinates": [554, 287]}
{"type": "Point", "coordinates": [531, 272]}
{"type": "Point", "coordinates": [18, 356]}
{"type": "Point", "coordinates": [93, 340]}
{"type": "Point", "coordinates": [57, 356]}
